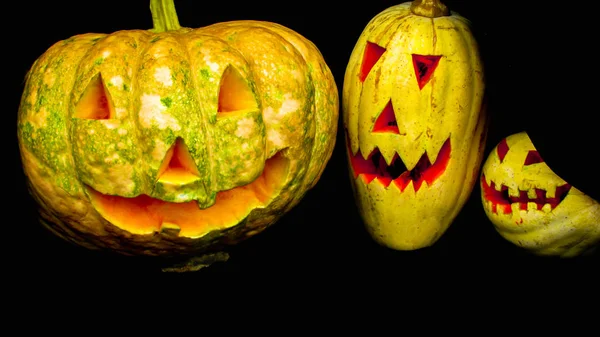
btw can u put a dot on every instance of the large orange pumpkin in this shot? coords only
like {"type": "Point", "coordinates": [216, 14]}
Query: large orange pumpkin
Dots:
{"type": "Point", "coordinates": [173, 140]}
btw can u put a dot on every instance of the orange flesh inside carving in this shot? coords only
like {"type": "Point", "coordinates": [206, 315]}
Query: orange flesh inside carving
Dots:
{"type": "Point", "coordinates": [178, 167]}
{"type": "Point", "coordinates": [95, 103]}
{"type": "Point", "coordinates": [144, 214]}
{"type": "Point", "coordinates": [234, 93]}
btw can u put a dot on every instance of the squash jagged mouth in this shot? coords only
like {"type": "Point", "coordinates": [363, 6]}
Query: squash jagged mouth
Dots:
{"type": "Point", "coordinates": [375, 168]}
{"type": "Point", "coordinates": [145, 215]}
{"type": "Point", "coordinates": [502, 201]}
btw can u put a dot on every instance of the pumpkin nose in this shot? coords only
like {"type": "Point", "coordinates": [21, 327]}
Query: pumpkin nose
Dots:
{"type": "Point", "coordinates": [179, 175]}
{"type": "Point", "coordinates": [178, 167]}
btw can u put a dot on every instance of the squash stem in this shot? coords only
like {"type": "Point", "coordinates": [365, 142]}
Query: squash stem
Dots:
{"type": "Point", "coordinates": [429, 8]}
{"type": "Point", "coordinates": [164, 16]}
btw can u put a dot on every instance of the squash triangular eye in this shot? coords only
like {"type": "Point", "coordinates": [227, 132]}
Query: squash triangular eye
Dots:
{"type": "Point", "coordinates": [95, 103]}
{"type": "Point", "coordinates": [386, 122]}
{"type": "Point", "coordinates": [372, 54]}
{"type": "Point", "coordinates": [533, 157]}
{"type": "Point", "coordinates": [502, 149]}
{"type": "Point", "coordinates": [424, 67]}
{"type": "Point", "coordinates": [178, 167]}
{"type": "Point", "coordinates": [234, 93]}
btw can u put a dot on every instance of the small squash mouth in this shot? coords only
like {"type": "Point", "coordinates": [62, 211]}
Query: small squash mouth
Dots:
{"type": "Point", "coordinates": [501, 201]}
{"type": "Point", "coordinates": [145, 215]}
{"type": "Point", "coordinates": [375, 168]}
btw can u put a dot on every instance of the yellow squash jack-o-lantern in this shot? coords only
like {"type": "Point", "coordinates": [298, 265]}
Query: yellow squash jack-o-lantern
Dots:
{"type": "Point", "coordinates": [415, 123]}
{"type": "Point", "coordinates": [534, 208]}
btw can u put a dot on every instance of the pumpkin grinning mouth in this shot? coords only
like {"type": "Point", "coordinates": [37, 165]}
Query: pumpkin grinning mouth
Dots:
{"type": "Point", "coordinates": [502, 201]}
{"type": "Point", "coordinates": [145, 215]}
{"type": "Point", "coordinates": [375, 168]}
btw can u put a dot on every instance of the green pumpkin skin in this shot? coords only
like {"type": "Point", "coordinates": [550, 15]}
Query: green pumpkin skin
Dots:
{"type": "Point", "coordinates": [150, 142]}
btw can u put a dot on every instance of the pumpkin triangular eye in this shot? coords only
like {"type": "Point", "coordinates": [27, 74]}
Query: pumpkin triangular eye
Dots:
{"type": "Point", "coordinates": [371, 55]}
{"type": "Point", "coordinates": [533, 157]}
{"type": "Point", "coordinates": [95, 103]}
{"type": "Point", "coordinates": [386, 122]}
{"type": "Point", "coordinates": [502, 149]}
{"type": "Point", "coordinates": [234, 93]}
{"type": "Point", "coordinates": [424, 67]}
{"type": "Point", "coordinates": [178, 167]}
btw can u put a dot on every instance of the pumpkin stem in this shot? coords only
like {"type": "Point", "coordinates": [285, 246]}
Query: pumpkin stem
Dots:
{"type": "Point", "coordinates": [429, 8]}
{"type": "Point", "coordinates": [164, 15]}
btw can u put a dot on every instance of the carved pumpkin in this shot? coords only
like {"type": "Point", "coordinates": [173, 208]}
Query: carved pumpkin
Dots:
{"type": "Point", "coordinates": [531, 206]}
{"type": "Point", "coordinates": [173, 140]}
{"type": "Point", "coordinates": [415, 123]}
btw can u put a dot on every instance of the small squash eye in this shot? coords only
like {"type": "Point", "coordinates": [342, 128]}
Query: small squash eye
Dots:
{"type": "Point", "coordinates": [533, 157]}
{"type": "Point", "coordinates": [502, 149]}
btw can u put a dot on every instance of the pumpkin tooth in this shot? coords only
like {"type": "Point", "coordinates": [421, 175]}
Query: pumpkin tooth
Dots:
{"type": "Point", "coordinates": [376, 165]}
{"type": "Point", "coordinates": [170, 229]}
{"type": "Point", "coordinates": [526, 185]}
{"type": "Point", "coordinates": [515, 208]}
{"type": "Point", "coordinates": [531, 194]}
{"type": "Point", "coordinates": [389, 156]}
{"type": "Point", "coordinates": [366, 152]}
{"type": "Point", "coordinates": [551, 192]}
{"type": "Point", "coordinates": [560, 193]}
{"type": "Point", "coordinates": [498, 199]}
{"type": "Point", "coordinates": [547, 208]}
{"type": "Point", "coordinates": [487, 180]}
{"type": "Point", "coordinates": [513, 192]}
{"type": "Point", "coordinates": [532, 206]}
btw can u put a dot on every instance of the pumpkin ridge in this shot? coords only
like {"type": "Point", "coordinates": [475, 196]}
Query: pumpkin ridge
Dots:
{"type": "Point", "coordinates": [135, 105]}
{"type": "Point", "coordinates": [184, 40]}
{"type": "Point", "coordinates": [311, 104]}
{"type": "Point", "coordinates": [66, 101]}
{"type": "Point", "coordinates": [141, 38]}
{"type": "Point", "coordinates": [322, 108]}
{"type": "Point", "coordinates": [60, 48]}
{"type": "Point", "coordinates": [272, 29]}
{"type": "Point", "coordinates": [135, 93]}
{"type": "Point", "coordinates": [476, 155]}
{"type": "Point", "coordinates": [482, 123]}
{"type": "Point", "coordinates": [473, 55]}
{"type": "Point", "coordinates": [38, 118]}
{"type": "Point", "coordinates": [318, 119]}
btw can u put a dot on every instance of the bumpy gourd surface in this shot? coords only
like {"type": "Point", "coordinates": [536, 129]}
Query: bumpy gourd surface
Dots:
{"type": "Point", "coordinates": [183, 133]}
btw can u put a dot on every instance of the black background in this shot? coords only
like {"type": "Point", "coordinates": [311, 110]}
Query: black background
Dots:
{"type": "Point", "coordinates": [540, 72]}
